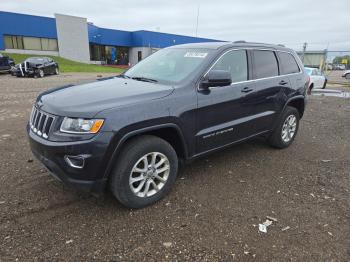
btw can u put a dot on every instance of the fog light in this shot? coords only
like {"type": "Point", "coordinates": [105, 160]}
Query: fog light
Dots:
{"type": "Point", "coordinates": [75, 161]}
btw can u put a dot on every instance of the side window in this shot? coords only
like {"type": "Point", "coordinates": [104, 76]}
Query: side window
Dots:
{"type": "Point", "coordinates": [235, 62]}
{"type": "Point", "coordinates": [265, 64]}
{"type": "Point", "coordinates": [288, 63]}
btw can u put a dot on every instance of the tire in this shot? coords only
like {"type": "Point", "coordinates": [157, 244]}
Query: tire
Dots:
{"type": "Point", "coordinates": [131, 158]}
{"type": "Point", "coordinates": [324, 84]}
{"type": "Point", "coordinates": [310, 89]}
{"type": "Point", "coordinates": [40, 74]}
{"type": "Point", "coordinates": [347, 76]}
{"type": "Point", "coordinates": [276, 138]}
{"type": "Point", "coordinates": [57, 72]}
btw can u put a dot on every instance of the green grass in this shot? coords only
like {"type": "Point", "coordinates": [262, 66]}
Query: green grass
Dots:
{"type": "Point", "coordinates": [68, 66]}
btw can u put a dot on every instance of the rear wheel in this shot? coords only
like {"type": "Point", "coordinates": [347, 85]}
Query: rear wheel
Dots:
{"type": "Point", "coordinates": [347, 76]}
{"type": "Point", "coordinates": [286, 130]}
{"type": "Point", "coordinates": [310, 89]}
{"type": "Point", "coordinates": [145, 171]}
{"type": "Point", "coordinates": [324, 84]}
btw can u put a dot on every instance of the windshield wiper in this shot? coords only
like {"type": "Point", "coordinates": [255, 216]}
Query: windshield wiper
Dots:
{"type": "Point", "coordinates": [124, 76]}
{"type": "Point", "coordinates": [145, 79]}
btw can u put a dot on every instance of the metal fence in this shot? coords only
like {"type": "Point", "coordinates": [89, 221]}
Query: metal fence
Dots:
{"type": "Point", "coordinates": [326, 60]}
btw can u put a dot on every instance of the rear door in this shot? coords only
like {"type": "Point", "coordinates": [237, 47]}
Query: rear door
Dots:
{"type": "Point", "coordinates": [46, 67]}
{"type": "Point", "coordinates": [51, 65]}
{"type": "Point", "coordinates": [265, 99]}
{"type": "Point", "coordinates": [320, 78]}
{"type": "Point", "coordinates": [289, 67]}
{"type": "Point", "coordinates": [223, 114]}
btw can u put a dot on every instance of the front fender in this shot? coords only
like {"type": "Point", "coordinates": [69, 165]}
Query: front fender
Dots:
{"type": "Point", "coordinates": [126, 133]}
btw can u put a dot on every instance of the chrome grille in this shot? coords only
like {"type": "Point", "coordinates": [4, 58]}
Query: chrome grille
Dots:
{"type": "Point", "coordinates": [41, 122]}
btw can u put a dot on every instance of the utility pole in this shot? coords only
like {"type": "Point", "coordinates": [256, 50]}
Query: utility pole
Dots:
{"type": "Point", "coordinates": [197, 20]}
{"type": "Point", "coordinates": [304, 49]}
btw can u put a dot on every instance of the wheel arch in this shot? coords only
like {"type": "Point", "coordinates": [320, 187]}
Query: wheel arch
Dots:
{"type": "Point", "coordinates": [170, 132]}
{"type": "Point", "coordinates": [297, 102]}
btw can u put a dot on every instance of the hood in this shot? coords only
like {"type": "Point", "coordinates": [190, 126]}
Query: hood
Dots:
{"type": "Point", "coordinates": [88, 99]}
{"type": "Point", "coordinates": [32, 64]}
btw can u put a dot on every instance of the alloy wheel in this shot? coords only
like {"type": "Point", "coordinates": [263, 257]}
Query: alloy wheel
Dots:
{"type": "Point", "coordinates": [149, 174]}
{"type": "Point", "coordinates": [288, 129]}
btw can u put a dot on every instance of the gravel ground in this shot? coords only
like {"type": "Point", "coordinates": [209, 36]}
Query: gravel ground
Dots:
{"type": "Point", "coordinates": [212, 213]}
{"type": "Point", "coordinates": [336, 77]}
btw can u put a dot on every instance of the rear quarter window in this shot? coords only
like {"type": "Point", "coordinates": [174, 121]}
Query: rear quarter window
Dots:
{"type": "Point", "coordinates": [288, 63]}
{"type": "Point", "coordinates": [265, 64]}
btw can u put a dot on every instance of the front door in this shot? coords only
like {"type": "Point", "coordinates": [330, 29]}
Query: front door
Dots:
{"type": "Point", "coordinates": [223, 114]}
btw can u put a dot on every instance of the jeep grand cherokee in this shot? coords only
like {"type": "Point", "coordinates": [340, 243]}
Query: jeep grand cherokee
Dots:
{"type": "Point", "coordinates": [129, 133]}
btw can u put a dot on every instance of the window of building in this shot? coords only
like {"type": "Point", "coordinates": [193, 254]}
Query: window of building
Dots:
{"type": "Point", "coordinates": [48, 44]}
{"type": "Point", "coordinates": [139, 56]}
{"type": "Point", "coordinates": [234, 62]}
{"type": "Point", "coordinates": [30, 43]}
{"type": "Point", "coordinates": [288, 63]}
{"type": "Point", "coordinates": [14, 42]}
{"type": "Point", "coordinates": [109, 54]}
{"type": "Point", "coordinates": [265, 64]}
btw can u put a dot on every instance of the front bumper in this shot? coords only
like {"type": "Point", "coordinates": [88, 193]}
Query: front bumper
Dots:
{"type": "Point", "coordinates": [91, 177]}
{"type": "Point", "coordinates": [18, 72]}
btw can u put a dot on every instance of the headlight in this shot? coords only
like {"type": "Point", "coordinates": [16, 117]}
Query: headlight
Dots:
{"type": "Point", "coordinates": [81, 126]}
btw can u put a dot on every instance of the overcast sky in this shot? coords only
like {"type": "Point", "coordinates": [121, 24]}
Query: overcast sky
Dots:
{"type": "Point", "coordinates": [320, 23]}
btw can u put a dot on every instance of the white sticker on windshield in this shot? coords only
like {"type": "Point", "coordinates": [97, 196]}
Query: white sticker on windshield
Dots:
{"type": "Point", "coordinates": [195, 55]}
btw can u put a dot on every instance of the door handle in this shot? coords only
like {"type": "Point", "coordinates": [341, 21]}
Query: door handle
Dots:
{"type": "Point", "coordinates": [283, 83]}
{"type": "Point", "coordinates": [246, 89]}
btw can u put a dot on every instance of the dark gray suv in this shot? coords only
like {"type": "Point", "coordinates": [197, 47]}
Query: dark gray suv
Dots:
{"type": "Point", "coordinates": [130, 133]}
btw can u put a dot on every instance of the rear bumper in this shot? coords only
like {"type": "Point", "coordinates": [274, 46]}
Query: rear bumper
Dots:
{"type": "Point", "coordinates": [91, 177]}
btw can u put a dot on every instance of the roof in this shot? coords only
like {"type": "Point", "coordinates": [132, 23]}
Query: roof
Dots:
{"type": "Point", "coordinates": [238, 44]}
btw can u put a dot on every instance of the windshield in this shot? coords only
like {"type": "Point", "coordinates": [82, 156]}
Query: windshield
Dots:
{"type": "Point", "coordinates": [168, 65]}
{"type": "Point", "coordinates": [36, 60]}
{"type": "Point", "coordinates": [308, 71]}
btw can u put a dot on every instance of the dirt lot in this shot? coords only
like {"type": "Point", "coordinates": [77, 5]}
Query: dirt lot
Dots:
{"type": "Point", "coordinates": [213, 211]}
{"type": "Point", "coordinates": [335, 76]}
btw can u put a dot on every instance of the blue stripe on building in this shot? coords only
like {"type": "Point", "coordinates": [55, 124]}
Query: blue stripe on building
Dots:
{"type": "Point", "coordinates": [14, 24]}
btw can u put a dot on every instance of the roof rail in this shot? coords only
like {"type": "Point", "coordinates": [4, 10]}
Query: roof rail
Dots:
{"type": "Point", "coordinates": [281, 45]}
{"type": "Point", "coordinates": [240, 41]}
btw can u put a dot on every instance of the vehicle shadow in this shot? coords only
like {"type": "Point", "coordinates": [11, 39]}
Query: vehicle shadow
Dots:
{"type": "Point", "coordinates": [193, 171]}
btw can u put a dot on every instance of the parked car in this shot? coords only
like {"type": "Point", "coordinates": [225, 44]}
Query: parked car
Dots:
{"type": "Point", "coordinates": [317, 78]}
{"type": "Point", "coordinates": [329, 66]}
{"type": "Point", "coordinates": [131, 133]}
{"type": "Point", "coordinates": [346, 74]}
{"type": "Point", "coordinates": [36, 67]}
{"type": "Point", "coordinates": [339, 67]}
{"type": "Point", "coordinates": [6, 63]}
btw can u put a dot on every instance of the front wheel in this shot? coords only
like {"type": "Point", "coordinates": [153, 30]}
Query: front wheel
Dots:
{"type": "Point", "coordinates": [145, 171]}
{"type": "Point", "coordinates": [56, 71]}
{"type": "Point", "coordinates": [286, 130]}
{"type": "Point", "coordinates": [40, 74]}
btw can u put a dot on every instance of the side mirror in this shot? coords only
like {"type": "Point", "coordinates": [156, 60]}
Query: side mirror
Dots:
{"type": "Point", "coordinates": [216, 78]}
